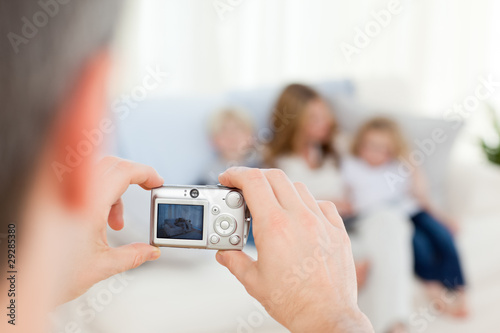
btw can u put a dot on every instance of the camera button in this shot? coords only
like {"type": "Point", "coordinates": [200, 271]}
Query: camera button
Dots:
{"type": "Point", "coordinates": [234, 239]}
{"type": "Point", "coordinates": [224, 225]}
{"type": "Point", "coordinates": [214, 239]}
{"type": "Point", "coordinates": [234, 199]}
{"type": "Point", "coordinates": [215, 210]}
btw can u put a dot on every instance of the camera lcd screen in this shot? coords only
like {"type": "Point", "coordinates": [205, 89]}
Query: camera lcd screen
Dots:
{"type": "Point", "coordinates": [180, 221]}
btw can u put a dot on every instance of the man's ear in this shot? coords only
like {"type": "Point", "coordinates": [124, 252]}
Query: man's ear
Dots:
{"type": "Point", "coordinates": [78, 137]}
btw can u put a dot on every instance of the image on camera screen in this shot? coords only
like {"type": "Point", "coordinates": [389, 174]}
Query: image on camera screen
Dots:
{"type": "Point", "coordinates": [180, 221]}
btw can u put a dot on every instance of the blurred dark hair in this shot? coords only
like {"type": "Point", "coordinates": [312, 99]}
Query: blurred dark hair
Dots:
{"type": "Point", "coordinates": [45, 45]}
{"type": "Point", "coordinates": [286, 120]}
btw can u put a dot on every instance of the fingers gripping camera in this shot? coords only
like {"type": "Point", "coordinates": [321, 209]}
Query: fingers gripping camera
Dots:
{"type": "Point", "coordinates": [205, 217]}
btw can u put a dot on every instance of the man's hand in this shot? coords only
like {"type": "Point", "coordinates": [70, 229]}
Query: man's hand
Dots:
{"type": "Point", "coordinates": [96, 260]}
{"type": "Point", "coordinates": [304, 275]}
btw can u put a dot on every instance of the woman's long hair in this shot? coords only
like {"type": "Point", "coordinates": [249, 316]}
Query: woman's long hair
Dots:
{"type": "Point", "coordinates": [286, 121]}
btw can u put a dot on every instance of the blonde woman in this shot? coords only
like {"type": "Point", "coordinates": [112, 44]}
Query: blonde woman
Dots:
{"type": "Point", "coordinates": [303, 147]}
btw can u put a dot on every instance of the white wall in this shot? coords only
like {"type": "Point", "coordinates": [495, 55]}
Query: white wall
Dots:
{"type": "Point", "coordinates": [429, 55]}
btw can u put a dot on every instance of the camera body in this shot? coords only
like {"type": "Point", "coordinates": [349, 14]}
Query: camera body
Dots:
{"type": "Point", "coordinates": [205, 217]}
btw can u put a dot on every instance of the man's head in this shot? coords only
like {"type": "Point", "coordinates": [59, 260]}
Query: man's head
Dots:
{"type": "Point", "coordinates": [53, 68]}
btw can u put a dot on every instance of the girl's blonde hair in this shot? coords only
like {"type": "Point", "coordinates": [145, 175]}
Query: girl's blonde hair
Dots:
{"type": "Point", "coordinates": [381, 124]}
{"type": "Point", "coordinates": [287, 117]}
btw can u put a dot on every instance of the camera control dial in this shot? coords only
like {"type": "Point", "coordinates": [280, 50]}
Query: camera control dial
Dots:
{"type": "Point", "coordinates": [234, 199]}
{"type": "Point", "coordinates": [225, 225]}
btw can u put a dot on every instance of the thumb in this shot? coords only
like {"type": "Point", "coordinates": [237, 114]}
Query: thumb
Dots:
{"type": "Point", "coordinates": [238, 263]}
{"type": "Point", "coordinates": [132, 255]}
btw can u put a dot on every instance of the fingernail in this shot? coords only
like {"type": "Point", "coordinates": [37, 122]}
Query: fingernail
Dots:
{"type": "Point", "coordinates": [155, 254]}
{"type": "Point", "coordinates": [220, 256]}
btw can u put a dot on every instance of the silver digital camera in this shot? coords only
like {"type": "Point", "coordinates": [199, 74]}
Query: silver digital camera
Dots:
{"type": "Point", "coordinates": [205, 217]}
